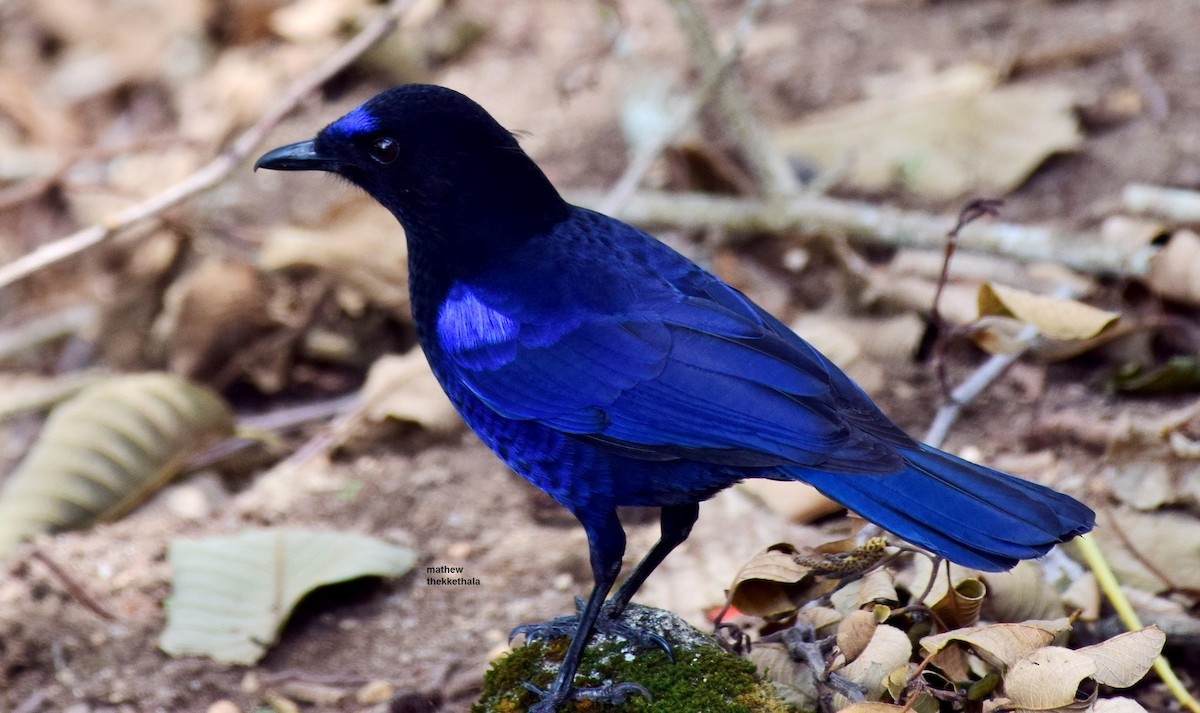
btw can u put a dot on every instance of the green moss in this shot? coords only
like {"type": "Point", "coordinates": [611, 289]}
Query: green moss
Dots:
{"type": "Point", "coordinates": [703, 678]}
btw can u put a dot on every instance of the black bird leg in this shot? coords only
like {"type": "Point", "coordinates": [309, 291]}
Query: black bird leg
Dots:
{"type": "Point", "coordinates": [606, 543]}
{"type": "Point", "coordinates": [676, 525]}
{"type": "Point", "coordinates": [677, 521]}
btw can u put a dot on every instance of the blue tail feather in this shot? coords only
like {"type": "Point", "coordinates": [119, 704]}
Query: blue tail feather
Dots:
{"type": "Point", "coordinates": [973, 515]}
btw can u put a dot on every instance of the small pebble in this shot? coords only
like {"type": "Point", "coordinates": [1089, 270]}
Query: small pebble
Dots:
{"type": "Point", "coordinates": [224, 707]}
{"type": "Point", "coordinates": [251, 684]}
{"type": "Point", "coordinates": [315, 693]}
{"type": "Point", "coordinates": [375, 692]}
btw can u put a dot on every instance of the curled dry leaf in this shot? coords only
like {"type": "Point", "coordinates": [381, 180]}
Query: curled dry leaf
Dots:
{"type": "Point", "coordinates": [1175, 270]}
{"type": "Point", "coordinates": [872, 707]}
{"type": "Point", "coordinates": [403, 388]}
{"type": "Point", "coordinates": [231, 595]}
{"type": "Point", "coordinates": [1055, 317]}
{"type": "Point", "coordinates": [1020, 594]}
{"type": "Point", "coordinates": [954, 133]}
{"type": "Point", "coordinates": [1001, 645]}
{"type": "Point", "coordinates": [960, 605]}
{"type": "Point", "coordinates": [774, 584]}
{"type": "Point", "coordinates": [855, 632]}
{"type": "Point", "coordinates": [888, 650]}
{"type": "Point", "coordinates": [876, 586]}
{"type": "Point", "coordinates": [106, 450]}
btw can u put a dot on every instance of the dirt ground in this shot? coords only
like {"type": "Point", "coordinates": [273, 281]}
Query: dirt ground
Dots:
{"type": "Point", "coordinates": [548, 68]}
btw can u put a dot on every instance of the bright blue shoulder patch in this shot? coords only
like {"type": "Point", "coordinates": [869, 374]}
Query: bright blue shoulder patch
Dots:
{"type": "Point", "coordinates": [471, 330]}
{"type": "Point", "coordinates": [356, 122]}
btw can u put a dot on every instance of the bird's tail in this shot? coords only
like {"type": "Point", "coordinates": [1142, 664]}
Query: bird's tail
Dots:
{"type": "Point", "coordinates": [970, 514]}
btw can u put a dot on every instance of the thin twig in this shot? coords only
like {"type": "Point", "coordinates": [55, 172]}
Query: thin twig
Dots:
{"type": "Point", "coordinates": [217, 169]}
{"type": "Point", "coordinates": [74, 587]}
{"type": "Point", "coordinates": [769, 166]}
{"type": "Point", "coordinates": [713, 76]}
{"type": "Point", "coordinates": [816, 214]}
{"type": "Point", "coordinates": [970, 212]}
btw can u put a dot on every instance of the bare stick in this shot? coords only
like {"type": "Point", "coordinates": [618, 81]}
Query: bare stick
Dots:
{"type": "Point", "coordinates": [713, 76]}
{"type": "Point", "coordinates": [1177, 204]}
{"type": "Point", "coordinates": [217, 169]}
{"type": "Point", "coordinates": [970, 212]}
{"type": "Point", "coordinates": [768, 165]}
{"type": "Point", "coordinates": [74, 587]}
{"type": "Point", "coordinates": [883, 224]}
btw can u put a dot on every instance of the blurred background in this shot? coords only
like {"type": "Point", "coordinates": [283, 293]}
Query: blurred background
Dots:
{"type": "Point", "coordinates": [813, 154]}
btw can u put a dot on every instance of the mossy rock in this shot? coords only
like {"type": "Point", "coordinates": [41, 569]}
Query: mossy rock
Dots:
{"type": "Point", "coordinates": [704, 677]}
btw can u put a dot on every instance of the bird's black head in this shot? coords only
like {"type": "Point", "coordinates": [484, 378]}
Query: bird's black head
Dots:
{"type": "Point", "coordinates": [453, 176]}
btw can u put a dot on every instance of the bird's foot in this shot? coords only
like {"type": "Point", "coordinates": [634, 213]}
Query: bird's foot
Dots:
{"type": "Point", "coordinates": [566, 626]}
{"type": "Point", "coordinates": [616, 694]}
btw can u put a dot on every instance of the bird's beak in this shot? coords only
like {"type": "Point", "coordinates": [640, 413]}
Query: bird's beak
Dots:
{"type": "Point", "coordinates": [302, 156]}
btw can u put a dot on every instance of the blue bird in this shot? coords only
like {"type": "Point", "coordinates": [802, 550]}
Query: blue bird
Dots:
{"type": "Point", "coordinates": [609, 370]}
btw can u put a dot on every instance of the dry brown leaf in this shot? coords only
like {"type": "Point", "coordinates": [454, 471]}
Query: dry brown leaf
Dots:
{"type": "Point", "coordinates": [1001, 645]}
{"type": "Point", "coordinates": [773, 584]}
{"type": "Point", "coordinates": [209, 315]}
{"type": "Point", "coordinates": [1154, 463]}
{"type": "Point", "coordinates": [1167, 540]}
{"type": "Point", "coordinates": [957, 133]}
{"type": "Point", "coordinates": [855, 632]}
{"type": "Point", "coordinates": [960, 605]}
{"type": "Point", "coordinates": [1175, 270]}
{"type": "Point", "coordinates": [888, 650]}
{"type": "Point", "coordinates": [1055, 317]}
{"type": "Point", "coordinates": [871, 707]}
{"type": "Point", "coordinates": [1020, 594]}
{"type": "Point", "coordinates": [1047, 678]}
{"type": "Point", "coordinates": [822, 620]}
{"type": "Point", "coordinates": [876, 586]}
{"type": "Point", "coordinates": [360, 246]}
{"type": "Point", "coordinates": [106, 450]}
{"type": "Point", "coordinates": [112, 42]}
{"type": "Point", "coordinates": [1124, 659]}
{"type": "Point", "coordinates": [1175, 619]}
{"type": "Point", "coordinates": [403, 388]}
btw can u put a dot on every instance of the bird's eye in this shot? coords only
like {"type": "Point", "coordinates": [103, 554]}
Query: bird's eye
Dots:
{"type": "Point", "coordinates": [384, 150]}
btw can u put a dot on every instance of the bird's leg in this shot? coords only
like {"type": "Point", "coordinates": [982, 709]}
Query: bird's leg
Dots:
{"type": "Point", "coordinates": [606, 542]}
{"type": "Point", "coordinates": [677, 521]}
{"type": "Point", "coordinates": [676, 525]}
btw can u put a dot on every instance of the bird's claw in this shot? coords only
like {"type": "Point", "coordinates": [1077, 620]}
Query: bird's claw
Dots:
{"type": "Point", "coordinates": [566, 626]}
{"type": "Point", "coordinates": [615, 693]}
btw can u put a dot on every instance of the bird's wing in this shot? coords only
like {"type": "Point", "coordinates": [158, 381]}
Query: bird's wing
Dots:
{"type": "Point", "coordinates": [699, 373]}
